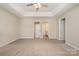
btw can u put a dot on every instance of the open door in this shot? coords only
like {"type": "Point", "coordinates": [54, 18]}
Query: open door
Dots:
{"type": "Point", "coordinates": [45, 30]}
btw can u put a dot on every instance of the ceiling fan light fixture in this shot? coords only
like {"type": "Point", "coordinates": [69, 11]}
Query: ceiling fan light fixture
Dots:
{"type": "Point", "coordinates": [39, 5]}
{"type": "Point", "coordinates": [36, 5]}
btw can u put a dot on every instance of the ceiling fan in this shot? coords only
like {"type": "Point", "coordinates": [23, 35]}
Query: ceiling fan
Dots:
{"type": "Point", "coordinates": [37, 5]}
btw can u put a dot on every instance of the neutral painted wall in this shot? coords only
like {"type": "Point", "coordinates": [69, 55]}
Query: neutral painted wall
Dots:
{"type": "Point", "coordinates": [27, 26]}
{"type": "Point", "coordinates": [9, 27]}
{"type": "Point", "coordinates": [72, 26]}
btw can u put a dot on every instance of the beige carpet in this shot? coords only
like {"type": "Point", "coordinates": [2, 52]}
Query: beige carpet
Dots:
{"type": "Point", "coordinates": [26, 47]}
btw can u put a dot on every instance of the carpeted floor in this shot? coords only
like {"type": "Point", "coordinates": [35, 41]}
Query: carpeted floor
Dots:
{"type": "Point", "coordinates": [26, 47]}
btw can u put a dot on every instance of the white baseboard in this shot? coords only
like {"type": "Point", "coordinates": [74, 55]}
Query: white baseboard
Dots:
{"type": "Point", "coordinates": [33, 38]}
{"type": "Point", "coordinates": [53, 38]}
{"type": "Point", "coordinates": [76, 48]}
{"type": "Point", "coordinates": [40, 38]}
{"type": "Point", "coordinates": [7, 42]}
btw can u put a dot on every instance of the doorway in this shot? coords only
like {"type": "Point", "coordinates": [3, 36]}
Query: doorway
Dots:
{"type": "Point", "coordinates": [45, 30]}
{"type": "Point", "coordinates": [37, 30]}
{"type": "Point", "coordinates": [40, 30]}
{"type": "Point", "coordinates": [62, 29]}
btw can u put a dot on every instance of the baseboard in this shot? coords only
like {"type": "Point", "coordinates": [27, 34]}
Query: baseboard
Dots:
{"type": "Point", "coordinates": [40, 38]}
{"type": "Point", "coordinates": [27, 38]}
{"type": "Point", "coordinates": [8, 43]}
{"type": "Point", "coordinates": [76, 48]}
{"type": "Point", "coordinates": [53, 38]}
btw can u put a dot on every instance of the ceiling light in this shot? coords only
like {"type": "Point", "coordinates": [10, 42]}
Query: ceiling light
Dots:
{"type": "Point", "coordinates": [36, 5]}
{"type": "Point", "coordinates": [39, 5]}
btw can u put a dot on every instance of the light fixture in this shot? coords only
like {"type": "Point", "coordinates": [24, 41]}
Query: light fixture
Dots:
{"type": "Point", "coordinates": [37, 5]}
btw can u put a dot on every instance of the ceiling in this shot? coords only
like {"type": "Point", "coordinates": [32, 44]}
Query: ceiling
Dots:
{"type": "Point", "coordinates": [21, 10]}
{"type": "Point", "coordinates": [31, 8]}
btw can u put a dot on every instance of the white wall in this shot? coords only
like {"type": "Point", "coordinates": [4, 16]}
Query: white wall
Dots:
{"type": "Point", "coordinates": [9, 27]}
{"type": "Point", "coordinates": [72, 27]}
{"type": "Point", "coordinates": [27, 26]}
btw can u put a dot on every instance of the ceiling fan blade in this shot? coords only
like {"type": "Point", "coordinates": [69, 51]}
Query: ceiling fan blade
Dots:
{"type": "Point", "coordinates": [30, 4]}
{"type": "Point", "coordinates": [43, 5]}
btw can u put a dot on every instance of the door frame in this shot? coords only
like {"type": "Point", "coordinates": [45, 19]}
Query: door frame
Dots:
{"type": "Point", "coordinates": [36, 22]}
{"type": "Point", "coordinates": [59, 36]}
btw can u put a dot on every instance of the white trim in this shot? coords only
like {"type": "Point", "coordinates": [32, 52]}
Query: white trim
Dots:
{"type": "Point", "coordinates": [8, 42]}
{"type": "Point", "coordinates": [76, 48]}
{"type": "Point", "coordinates": [26, 38]}
{"type": "Point", "coordinates": [59, 29]}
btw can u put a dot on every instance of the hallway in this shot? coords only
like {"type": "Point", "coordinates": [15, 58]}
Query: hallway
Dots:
{"type": "Point", "coordinates": [29, 47]}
